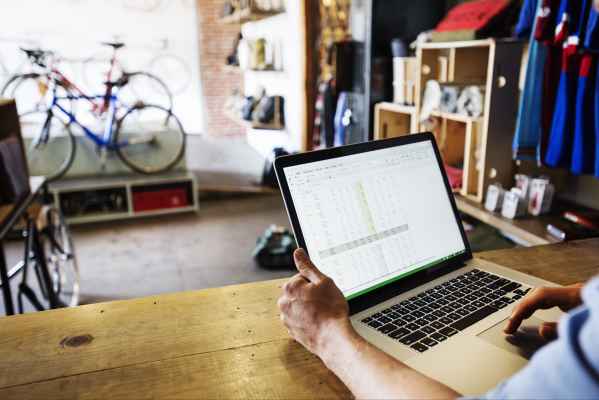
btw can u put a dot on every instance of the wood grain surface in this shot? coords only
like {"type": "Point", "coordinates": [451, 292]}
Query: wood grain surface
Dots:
{"type": "Point", "coordinates": [216, 343]}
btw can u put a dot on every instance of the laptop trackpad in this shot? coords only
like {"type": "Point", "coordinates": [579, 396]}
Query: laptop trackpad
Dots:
{"type": "Point", "coordinates": [525, 342]}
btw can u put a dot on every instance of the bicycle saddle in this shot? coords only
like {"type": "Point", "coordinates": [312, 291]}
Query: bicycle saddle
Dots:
{"type": "Point", "coordinates": [114, 45]}
{"type": "Point", "coordinates": [122, 81]}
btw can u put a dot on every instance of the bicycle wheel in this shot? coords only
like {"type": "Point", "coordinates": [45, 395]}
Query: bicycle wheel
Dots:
{"type": "Point", "coordinates": [150, 139]}
{"type": "Point", "coordinates": [143, 88]}
{"type": "Point", "coordinates": [50, 144]}
{"type": "Point", "coordinates": [30, 92]}
{"type": "Point", "coordinates": [60, 258]}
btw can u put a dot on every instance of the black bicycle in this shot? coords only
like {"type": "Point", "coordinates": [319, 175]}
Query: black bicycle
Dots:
{"type": "Point", "coordinates": [49, 255]}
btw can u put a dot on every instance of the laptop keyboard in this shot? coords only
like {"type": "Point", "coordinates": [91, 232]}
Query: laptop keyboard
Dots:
{"type": "Point", "coordinates": [432, 316]}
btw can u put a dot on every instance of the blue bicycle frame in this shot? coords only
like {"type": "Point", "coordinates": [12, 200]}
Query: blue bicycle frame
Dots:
{"type": "Point", "coordinates": [103, 140]}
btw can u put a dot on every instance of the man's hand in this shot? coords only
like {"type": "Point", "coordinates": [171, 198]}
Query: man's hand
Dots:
{"type": "Point", "coordinates": [313, 308]}
{"type": "Point", "coordinates": [566, 298]}
{"type": "Point", "coordinates": [317, 315]}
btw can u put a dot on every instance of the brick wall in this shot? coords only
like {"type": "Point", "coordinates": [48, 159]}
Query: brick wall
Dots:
{"type": "Point", "coordinates": [216, 42]}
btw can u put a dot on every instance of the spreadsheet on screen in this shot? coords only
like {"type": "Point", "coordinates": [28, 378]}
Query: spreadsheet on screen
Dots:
{"type": "Point", "coordinates": [375, 217]}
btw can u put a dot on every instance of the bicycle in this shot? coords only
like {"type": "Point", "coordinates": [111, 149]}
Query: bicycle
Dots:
{"type": "Point", "coordinates": [142, 85]}
{"type": "Point", "coordinates": [30, 89]}
{"type": "Point", "coordinates": [148, 138]}
{"type": "Point", "coordinates": [50, 255]}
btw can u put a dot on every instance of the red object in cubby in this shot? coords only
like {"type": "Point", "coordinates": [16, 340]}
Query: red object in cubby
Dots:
{"type": "Point", "coordinates": [160, 199]}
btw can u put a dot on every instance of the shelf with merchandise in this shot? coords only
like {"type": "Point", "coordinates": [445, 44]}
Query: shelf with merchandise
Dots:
{"type": "Point", "coordinates": [251, 12]}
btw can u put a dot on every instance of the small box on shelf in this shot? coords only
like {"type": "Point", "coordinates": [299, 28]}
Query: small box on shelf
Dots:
{"type": "Point", "coordinates": [514, 205]}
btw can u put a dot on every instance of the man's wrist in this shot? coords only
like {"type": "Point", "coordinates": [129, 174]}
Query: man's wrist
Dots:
{"type": "Point", "coordinates": [336, 339]}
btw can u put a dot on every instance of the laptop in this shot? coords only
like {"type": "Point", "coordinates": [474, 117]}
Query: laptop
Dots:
{"type": "Point", "coordinates": [380, 219]}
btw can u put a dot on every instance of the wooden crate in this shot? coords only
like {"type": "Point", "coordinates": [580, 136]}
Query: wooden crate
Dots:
{"type": "Point", "coordinates": [483, 145]}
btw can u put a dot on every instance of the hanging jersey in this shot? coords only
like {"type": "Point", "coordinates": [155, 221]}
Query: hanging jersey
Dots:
{"type": "Point", "coordinates": [526, 19]}
{"type": "Point", "coordinates": [562, 20]}
{"type": "Point", "coordinates": [528, 124]}
{"type": "Point", "coordinates": [591, 38]}
{"type": "Point", "coordinates": [591, 42]}
{"type": "Point", "coordinates": [560, 137]}
{"type": "Point", "coordinates": [571, 21]}
{"type": "Point", "coordinates": [583, 146]}
{"type": "Point", "coordinates": [544, 30]}
{"type": "Point", "coordinates": [596, 113]}
{"type": "Point", "coordinates": [551, 77]}
{"type": "Point", "coordinates": [554, 11]}
{"type": "Point", "coordinates": [563, 123]}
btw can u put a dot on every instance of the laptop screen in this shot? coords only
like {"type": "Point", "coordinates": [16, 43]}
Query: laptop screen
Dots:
{"type": "Point", "coordinates": [372, 218]}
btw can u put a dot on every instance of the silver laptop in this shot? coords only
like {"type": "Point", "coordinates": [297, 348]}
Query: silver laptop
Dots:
{"type": "Point", "coordinates": [380, 219]}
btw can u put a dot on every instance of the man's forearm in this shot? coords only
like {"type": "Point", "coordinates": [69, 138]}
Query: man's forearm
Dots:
{"type": "Point", "coordinates": [370, 373]}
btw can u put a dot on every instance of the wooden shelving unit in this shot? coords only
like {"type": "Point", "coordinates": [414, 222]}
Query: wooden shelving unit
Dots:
{"type": "Point", "coordinates": [85, 200]}
{"type": "Point", "coordinates": [280, 31]}
{"type": "Point", "coordinates": [277, 123]}
{"type": "Point", "coordinates": [481, 146]}
{"type": "Point", "coordinates": [265, 71]}
{"type": "Point", "coordinates": [248, 14]}
{"type": "Point", "coordinates": [237, 69]}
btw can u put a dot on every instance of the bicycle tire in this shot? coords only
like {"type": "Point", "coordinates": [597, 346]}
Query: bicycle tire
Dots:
{"type": "Point", "coordinates": [136, 165]}
{"type": "Point", "coordinates": [158, 85]}
{"type": "Point", "coordinates": [61, 258]}
{"type": "Point", "coordinates": [183, 76]}
{"type": "Point", "coordinates": [30, 122]}
{"type": "Point", "coordinates": [12, 85]}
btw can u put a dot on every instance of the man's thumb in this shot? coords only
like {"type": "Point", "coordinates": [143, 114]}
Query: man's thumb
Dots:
{"type": "Point", "coordinates": [305, 266]}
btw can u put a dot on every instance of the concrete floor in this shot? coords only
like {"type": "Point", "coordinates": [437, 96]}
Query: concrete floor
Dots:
{"type": "Point", "coordinates": [127, 259]}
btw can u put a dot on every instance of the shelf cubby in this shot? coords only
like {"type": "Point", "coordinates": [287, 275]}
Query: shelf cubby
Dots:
{"type": "Point", "coordinates": [393, 120]}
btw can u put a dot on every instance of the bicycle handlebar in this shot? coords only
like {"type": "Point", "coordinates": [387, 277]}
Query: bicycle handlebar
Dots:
{"type": "Point", "coordinates": [37, 56]}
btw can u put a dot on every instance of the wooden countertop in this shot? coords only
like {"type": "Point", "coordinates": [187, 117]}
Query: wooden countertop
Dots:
{"type": "Point", "coordinates": [216, 343]}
